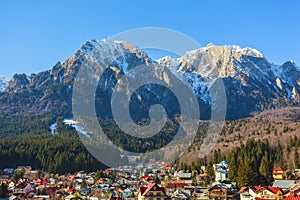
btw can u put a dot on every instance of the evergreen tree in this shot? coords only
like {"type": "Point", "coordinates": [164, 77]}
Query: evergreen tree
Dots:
{"type": "Point", "coordinates": [296, 159]}
{"type": "Point", "coordinates": [83, 184]}
{"type": "Point", "coordinates": [265, 168]}
{"type": "Point", "coordinates": [3, 190]}
{"type": "Point", "coordinates": [245, 173]}
{"type": "Point", "coordinates": [210, 171]}
{"type": "Point", "coordinates": [157, 180]}
{"type": "Point", "coordinates": [233, 168]}
{"type": "Point", "coordinates": [279, 155]}
{"type": "Point", "coordinates": [99, 174]}
{"type": "Point", "coordinates": [17, 175]}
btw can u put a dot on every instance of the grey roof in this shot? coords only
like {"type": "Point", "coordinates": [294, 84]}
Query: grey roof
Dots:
{"type": "Point", "coordinates": [284, 184]}
{"type": "Point", "coordinates": [185, 175]}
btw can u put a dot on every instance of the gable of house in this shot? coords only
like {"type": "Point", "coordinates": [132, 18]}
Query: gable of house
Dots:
{"type": "Point", "coordinates": [269, 192]}
{"type": "Point", "coordinates": [152, 190]}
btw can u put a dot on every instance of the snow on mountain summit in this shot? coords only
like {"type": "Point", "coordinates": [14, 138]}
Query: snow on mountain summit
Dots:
{"type": "Point", "coordinates": [106, 46]}
{"type": "Point", "coordinates": [246, 51]}
{"type": "Point", "coordinates": [115, 52]}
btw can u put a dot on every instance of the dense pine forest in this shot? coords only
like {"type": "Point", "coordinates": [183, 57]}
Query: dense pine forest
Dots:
{"type": "Point", "coordinates": [21, 144]}
{"type": "Point", "coordinates": [28, 141]}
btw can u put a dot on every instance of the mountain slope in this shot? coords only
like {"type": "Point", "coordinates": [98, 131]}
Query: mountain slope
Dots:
{"type": "Point", "coordinates": [252, 83]}
{"type": "Point", "coordinates": [276, 126]}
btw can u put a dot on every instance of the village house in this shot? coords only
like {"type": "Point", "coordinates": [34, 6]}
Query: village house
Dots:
{"type": "Point", "coordinates": [261, 193]}
{"type": "Point", "coordinates": [278, 173]}
{"type": "Point", "coordinates": [186, 177]}
{"type": "Point", "coordinates": [248, 193]}
{"type": "Point", "coordinates": [23, 189]}
{"type": "Point", "coordinates": [201, 193]}
{"type": "Point", "coordinates": [180, 194]}
{"type": "Point", "coordinates": [151, 192]}
{"type": "Point", "coordinates": [294, 193]}
{"type": "Point", "coordinates": [217, 192]}
{"type": "Point", "coordinates": [221, 171]}
{"type": "Point", "coordinates": [268, 192]}
{"type": "Point", "coordinates": [175, 185]}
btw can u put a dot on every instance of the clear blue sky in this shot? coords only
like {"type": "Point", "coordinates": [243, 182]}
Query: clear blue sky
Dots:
{"type": "Point", "coordinates": [34, 35]}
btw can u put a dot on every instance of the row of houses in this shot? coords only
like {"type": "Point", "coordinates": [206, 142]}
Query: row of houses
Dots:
{"type": "Point", "coordinates": [147, 181]}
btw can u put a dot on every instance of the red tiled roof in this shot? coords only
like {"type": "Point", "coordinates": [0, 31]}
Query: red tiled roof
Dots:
{"type": "Point", "coordinates": [168, 167]}
{"type": "Point", "coordinates": [243, 189]}
{"type": "Point", "coordinates": [274, 190]}
{"type": "Point", "coordinates": [71, 178]}
{"type": "Point", "coordinates": [278, 169]}
{"type": "Point", "coordinates": [148, 188]}
{"type": "Point", "coordinates": [40, 181]}
{"type": "Point", "coordinates": [147, 178]}
{"type": "Point", "coordinates": [277, 173]}
{"type": "Point", "coordinates": [143, 189]}
{"type": "Point", "coordinates": [292, 197]}
{"type": "Point", "coordinates": [256, 188]}
{"type": "Point", "coordinates": [176, 185]}
{"type": "Point", "coordinates": [70, 190]}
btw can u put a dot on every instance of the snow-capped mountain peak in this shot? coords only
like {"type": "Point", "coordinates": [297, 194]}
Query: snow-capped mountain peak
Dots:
{"type": "Point", "coordinates": [246, 51]}
{"type": "Point", "coordinates": [106, 46]}
{"type": "Point", "coordinates": [115, 52]}
{"type": "Point", "coordinates": [252, 83]}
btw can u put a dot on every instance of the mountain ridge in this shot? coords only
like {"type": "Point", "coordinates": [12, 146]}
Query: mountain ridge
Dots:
{"type": "Point", "coordinates": [251, 81]}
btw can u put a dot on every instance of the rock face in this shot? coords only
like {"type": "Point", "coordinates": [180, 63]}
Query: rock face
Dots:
{"type": "Point", "coordinates": [3, 83]}
{"type": "Point", "coordinates": [252, 83]}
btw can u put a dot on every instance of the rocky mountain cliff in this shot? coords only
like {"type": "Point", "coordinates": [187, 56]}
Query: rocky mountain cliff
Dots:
{"type": "Point", "coordinates": [252, 83]}
{"type": "Point", "coordinates": [3, 83]}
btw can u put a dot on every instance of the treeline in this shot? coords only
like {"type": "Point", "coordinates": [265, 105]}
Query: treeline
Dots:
{"type": "Point", "coordinates": [58, 154]}
{"type": "Point", "coordinates": [14, 126]}
{"type": "Point", "coordinates": [251, 163]}
{"type": "Point", "coordinates": [139, 144]}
